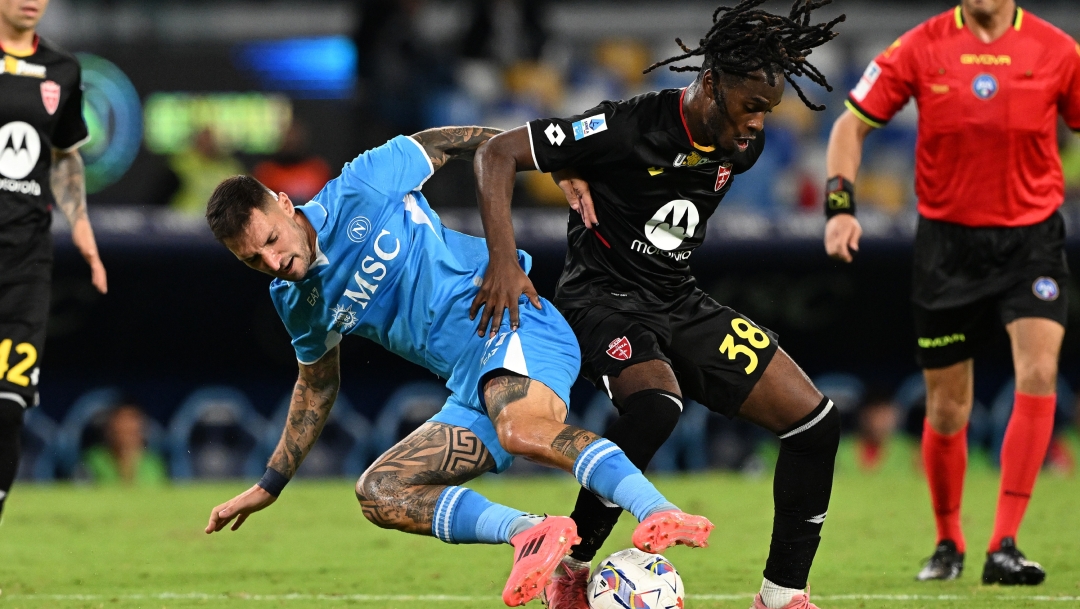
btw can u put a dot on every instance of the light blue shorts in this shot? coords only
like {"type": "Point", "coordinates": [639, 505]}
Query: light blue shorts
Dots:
{"type": "Point", "coordinates": [543, 348]}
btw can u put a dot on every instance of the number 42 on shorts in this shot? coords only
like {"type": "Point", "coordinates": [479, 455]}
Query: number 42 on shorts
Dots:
{"type": "Point", "coordinates": [16, 374]}
{"type": "Point", "coordinates": [751, 334]}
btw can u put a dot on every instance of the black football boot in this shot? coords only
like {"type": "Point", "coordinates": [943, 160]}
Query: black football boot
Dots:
{"type": "Point", "coordinates": [945, 564]}
{"type": "Point", "coordinates": [1008, 567]}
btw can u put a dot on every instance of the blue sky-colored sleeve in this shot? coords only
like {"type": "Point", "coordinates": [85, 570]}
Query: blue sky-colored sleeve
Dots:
{"type": "Point", "coordinates": [394, 169]}
{"type": "Point", "coordinates": [309, 340]}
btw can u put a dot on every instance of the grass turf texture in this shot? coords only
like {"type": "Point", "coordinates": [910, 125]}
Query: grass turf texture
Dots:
{"type": "Point", "coordinates": [63, 546]}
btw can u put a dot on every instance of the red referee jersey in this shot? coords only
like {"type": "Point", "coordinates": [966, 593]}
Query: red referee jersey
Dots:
{"type": "Point", "coordinates": [987, 151]}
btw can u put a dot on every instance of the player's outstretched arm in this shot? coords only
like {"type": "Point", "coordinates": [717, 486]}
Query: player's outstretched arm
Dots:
{"type": "Point", "coordinates": [842, 231]}
{"type": "Point", "coordinates": [496, 166]}
{"type": "Point", "coordinates": [68, 181]}
{"type": "Point", "coordinates": [444, 144]}
{"type": "Point", "coordinates": [313, 396]}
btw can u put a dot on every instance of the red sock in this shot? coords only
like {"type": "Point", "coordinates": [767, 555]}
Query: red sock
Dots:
{"type": "Point", "coordinates": [945, 460]}
{"type": "Point", "coordinates": [1022, 453]}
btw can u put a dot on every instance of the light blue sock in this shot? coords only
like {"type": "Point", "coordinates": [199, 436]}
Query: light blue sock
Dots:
{"type": "Point", "coordinates": [604, 469]}
{"type": "Point", "coordinates": [464, 516]}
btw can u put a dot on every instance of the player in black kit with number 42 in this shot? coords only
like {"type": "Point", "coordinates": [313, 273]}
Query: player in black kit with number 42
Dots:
{"type": "Point", "coordinates": [41, 129]}
{"type": "Point", "coordinates": [658, 166]}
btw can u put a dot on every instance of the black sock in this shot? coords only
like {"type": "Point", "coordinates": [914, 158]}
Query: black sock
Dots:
{"type": "Point", "coordinates": [645, 422]}
{"type": "Point", "coordinates": [802, 486]}
{"type": "Point", "coordinates": [11, 421]}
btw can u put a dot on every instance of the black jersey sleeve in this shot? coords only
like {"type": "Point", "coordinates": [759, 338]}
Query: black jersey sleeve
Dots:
{"type": "Point", "coordinates": [602, 135]}
{"type": "Point", "coordinates": [71, 128]}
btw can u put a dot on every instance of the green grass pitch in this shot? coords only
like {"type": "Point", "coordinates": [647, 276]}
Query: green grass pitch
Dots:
{"type": "Point", "coordinates": [67, 546]}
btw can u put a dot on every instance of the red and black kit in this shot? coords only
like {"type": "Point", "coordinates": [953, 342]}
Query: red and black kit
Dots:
{"type": "Point", "coordinates": [626, 287]}
{"type": "Point", "coordinates": [40, 110]}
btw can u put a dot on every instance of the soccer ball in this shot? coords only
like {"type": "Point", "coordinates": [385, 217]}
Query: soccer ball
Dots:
{"type": "Point", "coordinates": [632, 579]}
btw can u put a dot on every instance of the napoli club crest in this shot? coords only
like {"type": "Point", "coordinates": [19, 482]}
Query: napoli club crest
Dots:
{"type": "Point", "coordinates": [722, 176]}
{"type": "Point", "coordinates": [619, 349]}
{"type": "Point", "coordinates": [1045, 288]}
{"type": "Point", "coordinates": [985, 86]}
{"type": "Point", "coordinates": [50, 96]}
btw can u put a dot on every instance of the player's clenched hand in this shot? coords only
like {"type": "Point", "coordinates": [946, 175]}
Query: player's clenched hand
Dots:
{"type": "Point", "coordinates": [842, 234]}
{"type": "Point", "coordinates": [503, 283]}
{"type": "Point", "coordinates": [577, 194]}
{"type": "Point", "coordinates": [239, 507]}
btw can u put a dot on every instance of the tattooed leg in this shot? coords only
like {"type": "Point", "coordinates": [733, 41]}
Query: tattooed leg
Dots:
{"type": "Point", "coordinates": [400, 490]}
{"type": "Point", "coordinates": [529, 417]}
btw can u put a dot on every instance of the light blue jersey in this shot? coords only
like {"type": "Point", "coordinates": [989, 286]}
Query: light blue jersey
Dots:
{"type": "Point", "coordinates": [386, 269]}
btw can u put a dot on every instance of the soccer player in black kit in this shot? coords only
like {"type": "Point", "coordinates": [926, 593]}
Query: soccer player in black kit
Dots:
{"type": "Point", "coordinates": [658, 166]}
{"type": "Point", "coordinates": [41, 129]}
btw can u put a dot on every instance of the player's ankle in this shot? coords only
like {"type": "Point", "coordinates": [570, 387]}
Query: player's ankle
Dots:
{"type": "Point", "coordinates": [570, 563]}
{"type": "Point", "coordinates": [524, 523]}
{"type": "Point", "coordinates": [662, 507]}
{"type": "Point", "coordinates": [775, 596]}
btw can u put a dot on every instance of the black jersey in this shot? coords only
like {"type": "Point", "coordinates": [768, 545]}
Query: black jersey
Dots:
{"type": "Point", "coordinates": [40, 109]}
{"type": "Point", "coordinates": [653, 189]}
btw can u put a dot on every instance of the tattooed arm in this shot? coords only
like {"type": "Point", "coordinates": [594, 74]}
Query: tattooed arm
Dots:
{"type": "Point", "coordinates": [313, 396]}
{"type": "Point", "coordinates": [68, 186]}
{"type": "Point", "coordinates": [444, 144]}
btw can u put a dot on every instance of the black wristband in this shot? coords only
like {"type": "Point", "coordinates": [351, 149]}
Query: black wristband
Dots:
{"type": "Point", "coordinates": [839, 197]}
{"type": "Point", "coordinates": [273, 482]}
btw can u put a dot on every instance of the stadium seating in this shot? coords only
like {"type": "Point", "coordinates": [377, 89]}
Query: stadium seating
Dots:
{"type": "Point", "coordinates": [83, 426]}
{"type": "Point", "coordinates": [216, 434]}
{"type": "Point", "coordinates": [343, 449]}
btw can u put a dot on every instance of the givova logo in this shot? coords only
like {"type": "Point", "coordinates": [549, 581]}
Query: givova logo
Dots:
{"type": "Point", "coordinates": [20, 148]}
{"type": "Point", "coordinates": [672, 224]}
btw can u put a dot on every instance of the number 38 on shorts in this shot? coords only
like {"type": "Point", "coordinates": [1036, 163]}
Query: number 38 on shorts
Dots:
{"type": "Point", "coordinates": [750, 337]}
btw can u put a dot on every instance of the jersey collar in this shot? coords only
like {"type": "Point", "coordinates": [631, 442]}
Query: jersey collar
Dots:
{"type": "Point", "coordinates": [24, 54]}
{"type": "Point", "coordinates": [1018, 18]}
{"type": "Point", "coordinates": [316, 216]}
{"type": "Point", "coordinates": [682, 116]}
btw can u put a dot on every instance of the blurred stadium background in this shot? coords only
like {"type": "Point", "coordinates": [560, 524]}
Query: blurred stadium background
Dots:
{"type": "Point", "coordinates": [181, 94]}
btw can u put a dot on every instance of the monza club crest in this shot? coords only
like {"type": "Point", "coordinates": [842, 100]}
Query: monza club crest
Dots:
{"type": "Point", "coordinates": [50, 96]}
{"type": "Point", "coordinates": [619, 349]}
{"type": "Point", "coordinates": [722, 176]}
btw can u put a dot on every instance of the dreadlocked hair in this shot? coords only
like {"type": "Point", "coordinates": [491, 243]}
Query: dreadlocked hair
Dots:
{"type": "Point", "coordinates": [745, 39]}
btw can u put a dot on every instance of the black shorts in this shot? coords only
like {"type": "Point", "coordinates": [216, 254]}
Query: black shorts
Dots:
{"type": "Point", "coordinates": [24, 309]}
{"type": "Point", "coordinates": [717, 354]}
{"type": "Point", "coordinates": [968, 280]}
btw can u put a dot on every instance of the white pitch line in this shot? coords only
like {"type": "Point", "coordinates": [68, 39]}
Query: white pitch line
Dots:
{"type": "Point", "coordinates": [428, 598]}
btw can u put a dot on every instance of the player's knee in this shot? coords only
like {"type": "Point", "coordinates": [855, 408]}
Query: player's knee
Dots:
{"type": "Point", "coordinates": [377, 493]}
{"type": "Point", "coordinates": [1037, 377]}
{"type": "Point", "coordinates": [818, 432]}
{"type": "Point", "coordinates": [514, 436]}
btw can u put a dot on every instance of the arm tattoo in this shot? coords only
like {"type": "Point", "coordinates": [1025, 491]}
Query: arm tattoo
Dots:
{"type": "Point", "coordinates": [313, 397]}
{"type": "Point", "coordinates": [447, 143]}
{"type": "Point", "coordinates": [401, 489]}
{"type": "Point", "coordinates": [572, 440]}
{"type": "Point", "coordinates": [68, 183]}
{"type": "Point", "coordinates": [502, 391]}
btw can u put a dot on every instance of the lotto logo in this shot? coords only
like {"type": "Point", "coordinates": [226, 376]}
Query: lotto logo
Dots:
{"type": "Point", "coordinates": [620, 349]}
{"type": "Point", "coordinates": [555, 134]}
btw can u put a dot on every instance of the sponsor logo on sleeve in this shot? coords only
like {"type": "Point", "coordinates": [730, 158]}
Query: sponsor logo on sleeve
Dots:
{"type": "Point", "coordinates": [869, 77]}
{"type": "Point", "coordinates": [722, 176]}
{"type": "Point", "coordinates": [50, 96]}
{"type": "Point", "coordinates": [620, 349]}
{"type": "Point", "coordinates": [588, 126]}
{"type": "Point", "coordinates": [984, 86]}
{"type": "Point", "coordinates": [555, 134]}
{"type": "Point", "coordinates": [1045, 288]}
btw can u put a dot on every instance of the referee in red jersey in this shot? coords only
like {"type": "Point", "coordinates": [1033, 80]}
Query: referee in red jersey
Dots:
{"type": "Point", "coordinates": [989, 80]}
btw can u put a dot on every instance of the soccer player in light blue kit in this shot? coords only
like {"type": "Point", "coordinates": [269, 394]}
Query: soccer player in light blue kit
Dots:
{"type": "Point", "coordinates": [368, 256]}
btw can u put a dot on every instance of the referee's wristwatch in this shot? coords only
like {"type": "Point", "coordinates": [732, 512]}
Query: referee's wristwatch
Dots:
{"type": "Point", "coordinates": [839, 197]}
